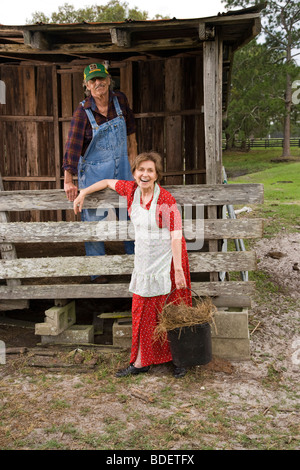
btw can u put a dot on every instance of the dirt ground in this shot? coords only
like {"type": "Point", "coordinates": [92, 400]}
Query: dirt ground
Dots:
{"type": "Point", "coordinates": [66, 398]}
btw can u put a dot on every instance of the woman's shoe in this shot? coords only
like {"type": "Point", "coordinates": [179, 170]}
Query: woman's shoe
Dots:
{"type": "Point", "coordinates": [179, 372]}
{"type": "Point", "coordinates": [131, 370]}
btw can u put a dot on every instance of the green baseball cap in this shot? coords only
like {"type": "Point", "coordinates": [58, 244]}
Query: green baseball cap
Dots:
{"type": "Point", "coordinates": [95, 70]}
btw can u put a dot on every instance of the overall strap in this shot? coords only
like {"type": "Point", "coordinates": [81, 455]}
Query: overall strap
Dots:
{"type": "Point", "coordinates": [117, 106]}
{"type": "Point", "coordinates": [90, 117]}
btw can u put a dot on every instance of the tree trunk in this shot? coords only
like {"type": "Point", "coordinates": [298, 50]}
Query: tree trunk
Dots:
{"type": "Point", "coordinates": [286, 151]}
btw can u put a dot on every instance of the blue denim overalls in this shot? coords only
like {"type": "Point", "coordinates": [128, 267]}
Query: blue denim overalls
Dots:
{"type": "Point", "coordinates": [105, 158]}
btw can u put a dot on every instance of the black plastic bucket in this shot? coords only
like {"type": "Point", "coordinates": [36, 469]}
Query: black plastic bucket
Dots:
{"type": "Point", "coordinates": [191, 346]}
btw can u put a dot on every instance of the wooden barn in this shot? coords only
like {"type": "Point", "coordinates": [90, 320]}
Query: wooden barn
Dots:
{"type": "Point", "coordinates": [176, 75]}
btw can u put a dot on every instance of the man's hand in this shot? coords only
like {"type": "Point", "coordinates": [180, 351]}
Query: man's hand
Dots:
{"type": "Point", "coordinates": [71, 191]}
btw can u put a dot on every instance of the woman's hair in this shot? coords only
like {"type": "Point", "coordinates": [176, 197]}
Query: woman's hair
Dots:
{"type": "Point", "coordinates": [153, 157]}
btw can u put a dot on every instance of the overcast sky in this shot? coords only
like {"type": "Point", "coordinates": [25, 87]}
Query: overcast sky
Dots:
{"type": "Point", "coordinates": [21, 10]}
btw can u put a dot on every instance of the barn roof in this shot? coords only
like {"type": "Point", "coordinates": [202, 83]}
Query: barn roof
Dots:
{"type": "Point", "coordinates": [64, 43]}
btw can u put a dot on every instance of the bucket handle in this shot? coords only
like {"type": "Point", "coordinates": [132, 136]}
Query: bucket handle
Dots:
{"type": "Point", "coordinates": [180, 289]}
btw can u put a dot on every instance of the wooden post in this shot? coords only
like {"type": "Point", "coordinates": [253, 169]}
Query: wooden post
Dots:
{"type": "Point", "coordinates": [126, 81]}
{"type": "Point", "coordinates": [56, 134]}
{"type": "Point", "coordinates": [212, 78]}
{"type": "Point", "coordinates": [173, 99]}
{"type": "Point", "coordinates": [8, 252]}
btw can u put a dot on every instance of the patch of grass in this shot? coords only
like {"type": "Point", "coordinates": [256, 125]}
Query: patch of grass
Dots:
{"type": "Point", "coordinates": [60, 404]}
{"type": "Point", "coordinates": [239, 163]}
{"type": "Point", "coordinates": [281, 207]}
{"type": "Point", "coordinates": [281, 182]}
{"type": "Point", "coordinates": [53, 444]}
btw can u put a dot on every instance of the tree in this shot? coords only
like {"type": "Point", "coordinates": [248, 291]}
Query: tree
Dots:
{"type": "Point", "coordinates": [258, 80]}
{"type": "Point", "coordinates": [281, 29]}
{"type": "Point", "coordinates": [114, 11]}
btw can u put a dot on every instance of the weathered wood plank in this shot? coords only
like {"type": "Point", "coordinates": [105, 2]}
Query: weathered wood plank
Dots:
{"type": "Point", "coordinates": [173, 124]}
{"type": "Point", "coordinates": [14, 304]}
{"type": "Point", "coordinates": [103, 47]}
{"type": "Point", "coordinates": [117, 265]}
{"type": "Point", "coordinates": [81, 291]}
{"type": "Point", "coordinates": [210, 195]}
{"type": "Point", "coordinates": [58, 232]}
{"type": "Point", "coordinates": [8, 252]}
{"type": "Point", "coordinates": [212, 83]}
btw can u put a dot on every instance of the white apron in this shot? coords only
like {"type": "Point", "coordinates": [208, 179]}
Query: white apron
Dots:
{"type": "Point", "coordinates": [153, 253]}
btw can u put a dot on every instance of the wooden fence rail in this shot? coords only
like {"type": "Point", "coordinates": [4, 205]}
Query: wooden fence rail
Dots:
{"type": "Point", "coordinates": [63, 232]}
{"type": "Point", "coordinates": [263, 143]}
{"type": "Point", "coordinates": [39, 274]}
{"type": "Point", "coordinates": [207, 195]}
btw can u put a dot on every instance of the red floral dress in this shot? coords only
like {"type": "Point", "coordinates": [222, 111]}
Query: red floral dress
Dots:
{"type": "Point", "coordinates": [146, 310]}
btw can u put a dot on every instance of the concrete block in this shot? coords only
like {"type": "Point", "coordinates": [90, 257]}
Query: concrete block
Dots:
{"type": "Point", "coordinates": [57, 320]}
{"type": "Point", "coordinates": [231, 349]}
{"type": "Point", "coordinates": [231, 340]}
{"type": "Point", "coordinates": [231, 324]}
{"type": "Point", "coordinates": [75, 334]}
{"type": "Point", "coordinates": [122, 333]}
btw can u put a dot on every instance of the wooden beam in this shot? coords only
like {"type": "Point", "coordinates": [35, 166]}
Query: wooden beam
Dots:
{"type": "Point", "coordinates": [173, 124]}
{"type": "Point", "coordinates": [206, 32]}
{"type": "Point", "coordinates": [58, 171]}
{"type": "Point", "coordinates": [104, 47]}
{"type": "Point", "coordinates": [40, 41]}
{"type": "Point", "coordinates": [25, 268]}
{"type": "Point", "coordinates": [126, 76]}
{"type": "Point", "coordinates": [230, 290]}
{"type": "Point", "coordinates": [208, 195]}
{"type": "Point", "coordinates": [212, 79]}
{"type": "Point", "coordinates": [121, 37]}
{"type": "Point", "coordinates": [8, 252]}
{"type": "Point", "coordinates": [29, 178]}
{"type": "Point", "coordinates": [62, 232]}
{"type": "Point", "coordinates": [32, 118]}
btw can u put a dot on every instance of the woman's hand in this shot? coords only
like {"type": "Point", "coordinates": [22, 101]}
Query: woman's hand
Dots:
{"type": "Point", "coordinates": [180, 280]}
{"type": "Point", "coordinates": [78, 202]}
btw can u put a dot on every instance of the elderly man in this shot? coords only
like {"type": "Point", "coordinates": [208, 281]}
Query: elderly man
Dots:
{"type": "Point", "coordinates": [101, 145]}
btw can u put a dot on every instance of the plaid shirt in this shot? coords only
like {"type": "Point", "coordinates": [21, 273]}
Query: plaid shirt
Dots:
{"type": "Point", "coordinates": [80, 133]}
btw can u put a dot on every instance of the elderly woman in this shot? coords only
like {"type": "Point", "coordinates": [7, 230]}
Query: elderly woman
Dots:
{"type": "Point", "coordinates": [101, 144]}
{"type": "Point", "coordinates": [161, 261]}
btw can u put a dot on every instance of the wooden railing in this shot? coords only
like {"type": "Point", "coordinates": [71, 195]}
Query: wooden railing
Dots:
{"type": "Point", "coordinates": [13, 270]}
{"type": "Point", "coordinates": [263, 143]}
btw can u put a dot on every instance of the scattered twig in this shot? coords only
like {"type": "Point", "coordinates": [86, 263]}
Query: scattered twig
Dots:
{"type": "Point", "coordinates": [257, 326]}
{"type": "Point", "coordinates": [142, 396]}
{"type": "Point", "coordinates": [56, 365]}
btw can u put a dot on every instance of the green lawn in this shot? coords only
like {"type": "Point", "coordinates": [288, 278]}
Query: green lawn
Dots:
{"type": "Point", "coordinates": [237, 163]}
{"type": "Point", "coordinates": [281, 182]}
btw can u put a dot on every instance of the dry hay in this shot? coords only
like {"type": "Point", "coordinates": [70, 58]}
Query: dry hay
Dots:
{"type": "Point", "coordinates": [179, 315]}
